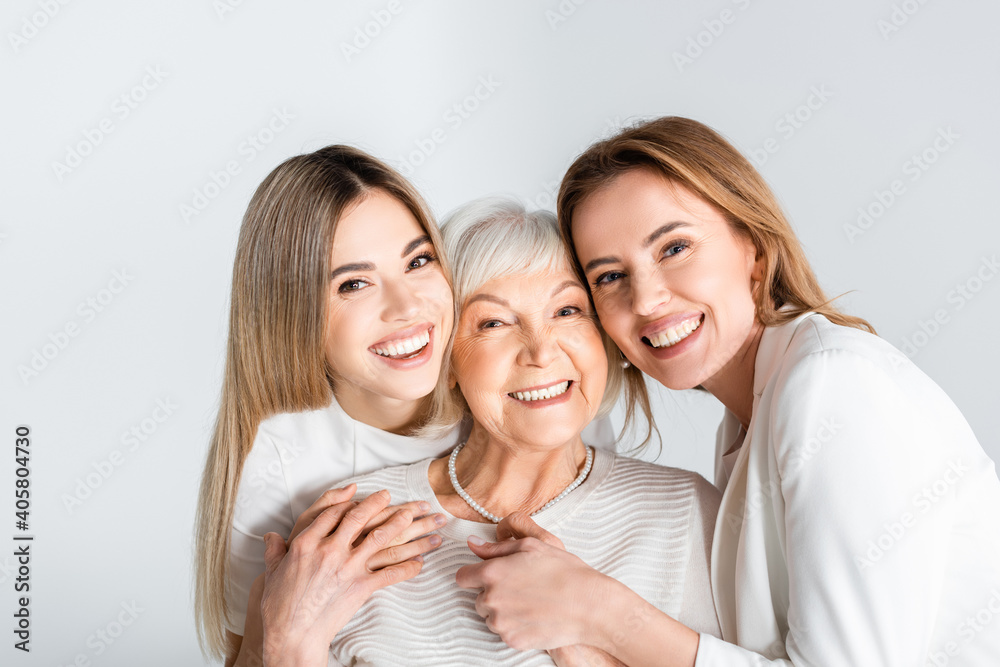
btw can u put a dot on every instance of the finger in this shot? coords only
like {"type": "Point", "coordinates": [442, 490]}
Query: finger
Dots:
{"type": "Point", "coordinates": [518, 524]}
{"type": "Point", "coordinates": [419, 528]}
{"type": "Point", "coordinates": [327, 521]}
{"type": "Point", "coordinates": [327, 499]}
{"type": "Point", "coordinates": [394, 574]}
{"type": "Point", "coordinates": [488, 550]}
{"type": "Point", "coordinates": [482, 608]}
{"type": "Point", "coordinates": [403, 552]}
{"type": "Point", "coordinates": [358, 517]}
{"type": "Point", "coordinates": [415, 508]}
{"type": "Point", "coordinates": [478, 575]}
{"type": "Point", "coordinates": [274, 551]}
{"type": "Point", "coordinates": [383, 536]}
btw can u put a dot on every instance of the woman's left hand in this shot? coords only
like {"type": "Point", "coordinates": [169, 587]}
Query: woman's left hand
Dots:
{"type": "Point", "coordinates": [535, 594]}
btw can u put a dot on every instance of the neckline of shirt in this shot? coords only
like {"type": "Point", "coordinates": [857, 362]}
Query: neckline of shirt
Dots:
{"type": "Point", "coordinates": [461, 529]}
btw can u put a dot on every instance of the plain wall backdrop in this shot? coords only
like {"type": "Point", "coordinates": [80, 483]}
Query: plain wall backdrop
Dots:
{"type": "Point", "coordinates": [135, 133]}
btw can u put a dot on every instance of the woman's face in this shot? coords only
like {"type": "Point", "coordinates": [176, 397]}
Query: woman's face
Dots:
{"type": "Point", "coordinates": [390, 307]}
{"type": "Point", "coordinates": [671, 281]}
{"type": "Point", "coordinates": [529, 360]}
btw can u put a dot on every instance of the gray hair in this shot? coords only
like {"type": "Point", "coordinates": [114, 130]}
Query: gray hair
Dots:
{"type": "Point", "coordinates": [493, 237]}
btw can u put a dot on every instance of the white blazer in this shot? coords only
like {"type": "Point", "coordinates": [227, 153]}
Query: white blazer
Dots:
{"type": "Point", "coordinates": [861, 523]}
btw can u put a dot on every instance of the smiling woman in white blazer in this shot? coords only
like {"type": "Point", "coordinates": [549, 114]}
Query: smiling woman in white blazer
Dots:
{"type": "Point", "coordinates": [860, 521]}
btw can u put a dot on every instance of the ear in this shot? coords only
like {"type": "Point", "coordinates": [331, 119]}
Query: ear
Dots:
{"type": "Point", "coordinates": [452, 380]}
{"type": "Point", "coordinates": [757, 271]}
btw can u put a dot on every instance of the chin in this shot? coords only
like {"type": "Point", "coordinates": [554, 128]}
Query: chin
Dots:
{"type": "Point", "coordinates": [678, 381]}
{"type": "Point", "coordinates": [414, 391]}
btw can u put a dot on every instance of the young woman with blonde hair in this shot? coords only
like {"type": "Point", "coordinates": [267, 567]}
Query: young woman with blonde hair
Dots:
{"type": "Point", "coordinates": [341, 314]}
{"type": "Point", "coordinates": [858, 522]}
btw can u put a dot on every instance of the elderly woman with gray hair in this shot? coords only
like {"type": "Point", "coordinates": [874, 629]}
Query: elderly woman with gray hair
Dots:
{"type": "Point", "coordinates": [529, 364]}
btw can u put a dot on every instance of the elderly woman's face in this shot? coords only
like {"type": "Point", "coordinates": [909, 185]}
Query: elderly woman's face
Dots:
{"type": "Point", "coordinates": [672, 282]}
{"type": "Point", "coordinates": [529, 359]}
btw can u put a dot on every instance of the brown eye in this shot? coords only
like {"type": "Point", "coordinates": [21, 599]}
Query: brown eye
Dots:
{"type": "Point", "coordinates": [419, 261]}
{"type": "Point", "coordinates": [352, 286]}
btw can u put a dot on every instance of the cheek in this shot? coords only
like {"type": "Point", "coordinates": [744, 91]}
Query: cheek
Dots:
{"type": "Point", "coordinates": [437, 292]}
{"type": "Point", "coordinates": [610, 309]}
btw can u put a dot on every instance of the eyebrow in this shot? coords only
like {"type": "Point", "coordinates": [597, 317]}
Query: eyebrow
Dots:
{"type": "Point", "coordinates": [565, 285]}
{"type": "Point", "coordinates": [347, 268]}
{"type": "Point", "coordinates": [650, 240]}
{"type": "Point", "coordinates": [368, 266]}
{"type": "Point", "coordinates": [414, 244]}
{"type": "Point", "coordinates": [487, 297]}
{"type": "Point", "coordinates": [503, 302]}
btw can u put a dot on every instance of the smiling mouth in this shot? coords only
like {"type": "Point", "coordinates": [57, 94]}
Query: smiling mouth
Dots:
{"type": "Point", "coordinates": [543, 394]}
{"type": "Point", "coordinates": [403, 348]}
{"type": "Point", "coordinates": [674, 335]}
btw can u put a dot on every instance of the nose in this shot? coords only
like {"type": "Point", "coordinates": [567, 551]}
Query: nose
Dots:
{"type": "Point", "coordinates": [648, 294]}
{"type": "Point", "coordinates": [540, 348]}
{"type": "Point", "coordinates": [401, 303]}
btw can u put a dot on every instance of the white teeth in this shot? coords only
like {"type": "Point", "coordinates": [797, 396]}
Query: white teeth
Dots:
{"type": "Point", "coordinates": [676, 334]}
{"type": "Point", "coordinates": [406, 346]}
{"type": "Point", "coordinates": [542, 394]}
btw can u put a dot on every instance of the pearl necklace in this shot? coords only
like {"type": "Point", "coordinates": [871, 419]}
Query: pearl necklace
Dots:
{"type": "Point", "coordinates": [493, 517]}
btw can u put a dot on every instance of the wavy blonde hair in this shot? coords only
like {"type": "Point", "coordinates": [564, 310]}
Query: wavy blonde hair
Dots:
{"type": "Point", "coordinates": [692, 154]}
{"type": "Point", "coordinates": [275, 360]}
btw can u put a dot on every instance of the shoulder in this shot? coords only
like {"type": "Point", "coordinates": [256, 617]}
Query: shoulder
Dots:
{"type": "Point", "coordinates": [839, 395]}
{"type": "Point", "coordinates": [652, 482]}
{"type": "Point", "coordinates": [835, 362]}
{"type": "Point", "coordinates": [288, 426]}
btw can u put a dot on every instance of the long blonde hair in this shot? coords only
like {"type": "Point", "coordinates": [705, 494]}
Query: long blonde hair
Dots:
{"type": "Point", "coordinates": [691, 154]}
{"type": "Point", "coordinates": [275, 359]}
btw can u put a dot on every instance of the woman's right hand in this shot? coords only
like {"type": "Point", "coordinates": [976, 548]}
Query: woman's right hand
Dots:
{"type": "Point", "coordinates": [422, 525]}
{"type": "Point", "coordinates": [315, 584]}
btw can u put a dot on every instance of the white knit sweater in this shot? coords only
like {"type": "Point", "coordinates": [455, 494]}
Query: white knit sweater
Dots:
{"type": "Point", "coordinates": [646, 525]}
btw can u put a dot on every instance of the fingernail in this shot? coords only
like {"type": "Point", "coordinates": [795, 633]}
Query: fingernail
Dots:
{"type": "Point", "coordinates": [435, 540]}
{"type": "Point", "coordinates": [475, 540]}
{"type": "Point", "coordinates": [440, 520]}
{"type": "Point", "coordinates": [419, 559]}
{"type": "Point", "coordinates": [424, 507]}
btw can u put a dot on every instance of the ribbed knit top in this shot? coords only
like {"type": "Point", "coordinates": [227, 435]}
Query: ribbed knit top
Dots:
{"type": "Point", "coordinates": [646, 525]}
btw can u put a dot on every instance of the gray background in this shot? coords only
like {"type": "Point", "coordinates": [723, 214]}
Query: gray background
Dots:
{"type": "Point", "coordinates": [884, 79]}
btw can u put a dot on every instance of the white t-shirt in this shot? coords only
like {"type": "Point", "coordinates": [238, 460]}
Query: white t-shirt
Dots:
{"type": "Point", "coordinates": [296, 457]}
{"type": "Point", "coordinates": [646, 525]}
